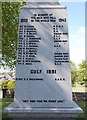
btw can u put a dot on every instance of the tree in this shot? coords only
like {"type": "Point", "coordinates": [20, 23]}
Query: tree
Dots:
{"type": "Point", "coordinates": [73, 73]}
{"type": "Point", "coordinates": [10, 14]}
{"type": "Point", "coordinates": [82, 72]}
{"type": "Point", "coordinates": [8, 84]}
{"type": "Point", "coordinates": [0, 85]}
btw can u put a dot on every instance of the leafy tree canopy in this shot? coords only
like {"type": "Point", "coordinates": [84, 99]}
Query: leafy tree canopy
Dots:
{"type": "Point", "coordinates": [82, 72]}
{"type": "Point", "coordinates": [8, 84]}
{"type": "Point", "coordinates": [10, 15]}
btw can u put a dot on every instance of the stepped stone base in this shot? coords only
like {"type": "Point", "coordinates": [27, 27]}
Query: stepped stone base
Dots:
{"type": "Point", "coordinates": [43, 113]}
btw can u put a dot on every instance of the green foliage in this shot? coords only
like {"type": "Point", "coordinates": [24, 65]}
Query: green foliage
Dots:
{"type": "Point", "coordinates": [79, 75]}
{"type": "Point", "coordinates": [8, 84]}
{"type": "Point", "coordinates": [0, 85]}
{"type": "Point", "coordinates": [10, 14]}
{"type": "Point", "coordinates": [73, 73]}
{"type": "Point", "coordinates": [82, 72]}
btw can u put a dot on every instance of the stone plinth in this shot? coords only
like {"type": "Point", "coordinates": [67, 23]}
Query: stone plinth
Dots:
{"type": "Point", "coordinates": [43, 113]}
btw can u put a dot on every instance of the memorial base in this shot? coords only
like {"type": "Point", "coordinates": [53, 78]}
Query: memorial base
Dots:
{"type": "Point", "coordinates": [43, 113]}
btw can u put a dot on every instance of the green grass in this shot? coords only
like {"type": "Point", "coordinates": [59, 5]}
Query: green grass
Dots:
{"type": "Point", "coordinates": [82, 104]}
{"type": "Point", "coordinates": [7, 101]}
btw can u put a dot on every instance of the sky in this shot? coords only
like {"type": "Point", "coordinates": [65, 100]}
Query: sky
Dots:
{"type": "Point", "coordinates": [76, 28]}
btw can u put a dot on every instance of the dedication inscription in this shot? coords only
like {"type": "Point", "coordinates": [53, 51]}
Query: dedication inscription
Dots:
{"type": "Point", "coordinates": [43, 68]}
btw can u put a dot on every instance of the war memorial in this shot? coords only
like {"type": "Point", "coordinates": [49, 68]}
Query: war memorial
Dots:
{"type": "Point", "coordinates": [43, 88]}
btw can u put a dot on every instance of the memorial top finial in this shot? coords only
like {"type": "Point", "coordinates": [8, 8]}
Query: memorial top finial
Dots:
{"type": "Point", "coordinates": [43, 1]}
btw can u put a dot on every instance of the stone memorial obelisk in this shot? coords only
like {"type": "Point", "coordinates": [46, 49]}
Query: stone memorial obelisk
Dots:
{"type": "Point", "coordinates": [43, 77]}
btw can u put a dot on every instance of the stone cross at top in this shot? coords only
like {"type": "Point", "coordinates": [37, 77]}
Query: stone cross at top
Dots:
{"type": "Point", "coordinates": [43, 1]}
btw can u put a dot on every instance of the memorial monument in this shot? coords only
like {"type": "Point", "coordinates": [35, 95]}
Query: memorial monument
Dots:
{"type": "Point", "coordinates": [43, 77]}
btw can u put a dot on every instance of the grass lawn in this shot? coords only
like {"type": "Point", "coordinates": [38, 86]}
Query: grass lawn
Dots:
{"type": "Point", "coordinates": [83, 105]}
{"type": "Point", "coordinates": [7, 101]}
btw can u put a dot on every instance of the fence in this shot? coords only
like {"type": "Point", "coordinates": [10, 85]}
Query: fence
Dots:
{"type": "Point", "coordinates": [77, 96]}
